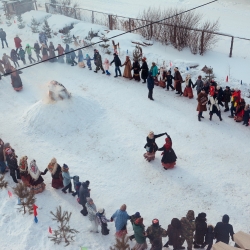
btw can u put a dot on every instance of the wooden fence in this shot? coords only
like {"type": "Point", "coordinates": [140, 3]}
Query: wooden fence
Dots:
{"type": "Point", "coordinates": [115, 22]}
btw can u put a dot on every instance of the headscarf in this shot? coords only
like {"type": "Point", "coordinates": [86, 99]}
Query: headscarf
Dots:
{"type": "Point", "coordinates": [23, 164]}
{"type": "Point", "coordinates": [52, 167]}
{"type": "Point", "coordinates": [34, 171]}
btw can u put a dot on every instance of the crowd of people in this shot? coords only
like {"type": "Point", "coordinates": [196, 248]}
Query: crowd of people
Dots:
{"type": "Point", "coordinates": [194, 231]}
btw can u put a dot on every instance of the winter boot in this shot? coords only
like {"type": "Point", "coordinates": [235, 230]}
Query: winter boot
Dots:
{"type": "Point", "coordinates": [210, 118]}
{"type": "Point", "coordinates": [181, 93]}
{"type": "Point", "coordinates": [220, 117]}
{"type": "Point", "coordinates": [225, 110]}
{"type": "Point", "coordinates": [196, 246]}
{"type": "Point", "coordinates": [103, 72]}
{"type": "Point", "coordinates": [95, 71]}
{"type": "Point", "coordinates": [131, 237]}
{"type": "Point", "coordinates": [166, 245]}
{"type": "Point", "coordinates": [199, 118]}
{"type": "Point", "coordinates": [202, 116]}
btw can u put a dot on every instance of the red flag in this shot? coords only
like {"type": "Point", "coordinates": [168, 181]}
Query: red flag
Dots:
{"type": "Point", "coordinates": [171, 64]}
{"type": "Point", "coordinates": [227, 79]}
{"type": "Point", "coordinates": [35, 207]}
{"type": "Point", "coordinates": [50, 230]}
{"type": "Point", "coordinates": [9, 193]}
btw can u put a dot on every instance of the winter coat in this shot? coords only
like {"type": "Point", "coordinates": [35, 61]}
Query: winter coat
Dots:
{"type": "Point", "coordinates": [120, 218]}
{"type": "Point", "coordinates": [202, 100]}
{"type": "Point", "coordinates": [178, 77]}
{"type": "Point", "coordinates": [28, 49]}
{"type": "Point", "coordinates": [17, 41]}
{"type": "Point", "coordinates": [199, 85]}
{"type": "Point", "coordinates": [16, 80]}
{"type": "Point", "coordinates": [60, 50]}
{"type": "Point", "coordinates": [42, 37]}
{"type": "Point", "coordinates": [139, 233]}
{"type": "Point", "coordinates": [83, 194]}
{"type": "Point", "coordinates": [222, 232]}
{"type": "Point", "coordinates": [188, 225]}
{"type": "Point", "coordinates": [80, 56]}
{"type": "Point", "coordinates": [136, 67]}
{"type": "Point", "coordinates": [209, 238]}
{"type": "Point", "coordinates": [127, 69]}
{"type": "Point", "coordinates": [200, 230]}
{"type": "Point", "coordinates": [169, 155]}
{"type": "Point", "coordinates": [44, 50]}
{"type": "Point", "coordinates": [220, 95]}
{"type": "Point", "coordinates": [150, 81]}
{"type": "Point", "coordinates": [91, 211]}
{"type": "Point", "coordinates": [117, 61]}
{"type": "Point", "coordinates": [169, 79]}
{"type": "Point", "coordinates": [12, 160]}
{"type": "Point", "coordinates": [151, 143]}
{"type": "Point", "coordinates": [51, 51]}
{"type": "Point", "coordinates": [88, 59]}
{"type": "Point", "coordinates": [154, 71]}
{"type": "Point", "coordinates": [214, 104]}
{"type": "Point", "coordinates": [174, 233]}
{"type": "Point", "coordinates": [227, 95]}
{"type": "Point", "coordinates": [102, 220]}
{"type": "Point", "coordinates": [246, 115]}
{"type": "Point", "coordinates": [189, 83]}
{"type": "Point", "coordinates": [72, 54]}
{"type": "Point", "coordinates": [156, 232]}
{"type": "Point", "coordinates": [37, 48]}
{"type": "Point", "coordinates": [57, 174]}
{"type": "Point", "coordinates": [66, 178]}
{"type": "Point", "coordinates": [21, 53]}
{"type": "Point", "coordinates": [106, 64]}
{"type": "Point", "coordinates": [98, 59]}
{"type": "Point", "coordinates": [2, 35]}
{"type": "Point", "coordinates": [144, 70]}
{"type": "Point", "coordinates": [14, 55]}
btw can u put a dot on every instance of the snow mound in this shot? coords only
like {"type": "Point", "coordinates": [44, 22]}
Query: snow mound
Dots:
{"type": "Point", "coordinates": [57, 22]}
{"type": "Point", "coordinates": [59, 119]}
{"type": "Point", "coordinates": [39, 16]}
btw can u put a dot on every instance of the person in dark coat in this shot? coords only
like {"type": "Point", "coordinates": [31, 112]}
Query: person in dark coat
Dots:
{"type": "Point", "coordinates": [14, 57]}
{"type": "Point", "coordinates": [214, 106]}
{"type": "Point", "coordinates": [37, 50]}
{"type": "Point", "coordinates": [178, 81]}
{"type": "Point", "coordinates": [200, 230]}
{"type": "Point", "coordinates": [3, 38]}
{"type": "Point", "coordinates": [151, 85]}
{"type": "Point", "coordinates": [169, 79]}
{"type": "Point", "coordinates": [118, 64]}
{"type": "Point", "coordinates": [206, 86]}
{"type": "Point", "coordinates": [136, 68]}
{"type": "Point", "coordinates": [56, 173]}
{"type": "Point", "coordinates": [144, 70]}
{"type": "Point", "coordinates": [44, 50]}
{"type": "Point", "coordinates": [133, 218]}
{"type": "Point", "coordinates": [16, 81]}
{"type": "Point", "coordinates": [174, 235]}
{"type": "Point", "coordinates": [226, 98]}
{"type": "Point", "coordinates": [219, 93]}
{"type": "Point", "coordinates": [151, 147]}
{"type": "Point", "coordinates": [223, 230]}
{"type": "Point", "coordinates": [83, 194]}
{"type": "Point", "coordinates": [102, 220]}
{"type": "Point", "coordinates": [52, 52]}
{"type": "Point", "coordinates": [202, 102]}
{"type": "Point", "coordinates": [73, 57]}
{"type": "Point", "coordinates": [246, 115]}
{"type": "Point", "coordinates": [22, 55]}
{"type": "Point", "coordinates": [98, 61]}
{"type": "Point", "coordinates": [199, 85]}
{"type": "Point", "coordinates": [209, 238]}
{"type": "Point", "coordinates": [2, 158]}
{"type": "Point", "coordinates": [11, 159]}
{"type": "Point", "coordinates": [169, 157]}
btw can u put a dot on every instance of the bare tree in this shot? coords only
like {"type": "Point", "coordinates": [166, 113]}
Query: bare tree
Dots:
{"type": "Point", "coordinates": [121, 244]}
{"type": "Point", "coordinates": [3, 183]}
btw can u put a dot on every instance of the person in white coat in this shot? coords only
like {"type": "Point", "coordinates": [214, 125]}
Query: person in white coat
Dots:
{"type": "Point", "coordinates": [91, 208]}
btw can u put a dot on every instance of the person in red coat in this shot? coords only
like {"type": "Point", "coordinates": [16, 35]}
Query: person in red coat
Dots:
{"type": "Point", "coordinates": [17, 41]}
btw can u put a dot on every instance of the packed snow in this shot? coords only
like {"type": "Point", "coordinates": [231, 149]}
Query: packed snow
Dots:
{"type": "Point", "coordinates": [100, 133]}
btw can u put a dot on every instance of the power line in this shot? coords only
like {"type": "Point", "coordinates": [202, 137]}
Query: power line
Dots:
{"type": "Point", "coordinates": [154, 22]}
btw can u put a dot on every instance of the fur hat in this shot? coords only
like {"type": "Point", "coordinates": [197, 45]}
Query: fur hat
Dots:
{"type": "Point", "coordinates": [190, 215]}
{"type": "Point", "coordinates": [101, 210]}
{"type": "Point", "coordinates": [65, 166]}
{"type": "Point", "coordinates": [155, 222]}
{"type": "Point", "coordinates": [87, 183]}
{"type": "Point", "coordinates": [88, 199]}
{"type": "Point", "coordinates": [6, 145]}
{"type": "Point", "coordinates": [123, 207]}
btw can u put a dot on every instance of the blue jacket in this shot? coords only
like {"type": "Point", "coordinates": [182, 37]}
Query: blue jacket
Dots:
{"type": "Point", "coordinates": [88, 59]}
{"type": "Point", "coordinates": [150, 81]}
{"type": "Point", "coordinates": [120, 218]}
{"type": "Point", "coordinates": [66, 178]}
{"type": "Point", "coordinates": [42, 37]}
{"type": "Point", "coordinates": [154, 71]}
{"type": "Point", "coordinates": [72, 54]}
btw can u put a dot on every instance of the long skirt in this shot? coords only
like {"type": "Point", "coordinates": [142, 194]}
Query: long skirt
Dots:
{"type": "Point", "coordinates": [18, 89]}
{"type": "Point", "coordinates": [140, 246]}
{"type": "Point", "coordinates": [38, 188]}
{"type": "Point", "coordinates": [238, 118]}
{"type": "Point", "coordinates": [57, 183]}
{"type": "Point", "coordinates": [81, 64]}
{"type": "Point", "coordinates": [45, 57]}
{"type": "Point", "coordinates": [177, 86]}
{"type": "Point", "coordinates": [149, 156]}
{"type": "Point", "coordinates": [168, 165]}
{"type": "Point", "coordinates": [25, 179]}
{"type": "Point", "coordinates": [188, 92]}
{"type": "Point", "coordinates": [120, 233]}
{"type": "Point", "coordinates": [136, 77]}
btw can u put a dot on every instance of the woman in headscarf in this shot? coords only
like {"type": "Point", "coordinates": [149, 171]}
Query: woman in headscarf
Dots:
{"type": "Point", "coordinates": [136, 68]}
{"type": "Point", "coordinates": [127, 69]}
{"type": "Point", "coordinates": [23, 168]}
{"type": "Point", "coordinates": [36, 180]}
{"type": "Point", "coordinates": [56, 173]}
{"type": "Point", "coordinates": [151, 147]}
{"type": "Point", "coordinates": [16, 81]}
{"type": "Point", "coordinates": [52, 52]}
{"type": "Point", "coordinates": [169, 157]}
{"type": "Point", "coordinates": [44, 50]}
{"type": "Point", "coordinates": [60, 50]}
{"type": "Point", "coordinates": [188, 92]}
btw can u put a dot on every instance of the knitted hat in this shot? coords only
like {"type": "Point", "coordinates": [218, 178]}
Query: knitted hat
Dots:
{"type": "Point", "coordinates": [101, 210]}
{"type": "Point", "coordinates": [123, 207]}
{"type": "Point", "coordinates": [137, 215]}
{"type": "Point", "coordinates": [65, 166]}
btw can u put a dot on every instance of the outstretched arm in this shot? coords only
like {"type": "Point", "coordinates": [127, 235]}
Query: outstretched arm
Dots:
{"type": "Point", "coordinates": [156, 136]}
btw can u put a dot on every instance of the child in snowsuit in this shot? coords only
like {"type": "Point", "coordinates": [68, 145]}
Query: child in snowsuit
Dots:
{"type": "Point", "coordinates": [102, 220]}
{"type": "Point", "coordinates": [169, 79]}
{"type": "Point", "coordinates": [106, 66]}
{"type": "Point", "coordinates": [246, 115]}
{"type": "Point", "coordinates": [22, 55]}
{"type": "Point", "coordinates": [88, 59]}
{"type": "Point", "coordinates": [66, 179]}
{"type": "Point", "coordinates": [77, 185]}
{"type": "Point", "coordinates": [209, 238]}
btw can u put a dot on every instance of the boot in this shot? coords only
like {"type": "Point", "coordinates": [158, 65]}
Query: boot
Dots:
{"type": "Point", "coordinates": [166, 245]}
{"type": "Point", "coordinates": [220, 117]}
{"type": "Point", "coordinates": [181, 93]}
{"type": "Point", "coordinates": [202, 116]}
{"type": "Point", "coordinates": [225, 110]}
{"type": "Point", "coordinates": [199, 118]}
{"type": "Point", "coordinates": [196, 246]}
{"type": "Point", "coordinates": [210, 118]}
{"type": "Point", "coordinates": [131, 237]}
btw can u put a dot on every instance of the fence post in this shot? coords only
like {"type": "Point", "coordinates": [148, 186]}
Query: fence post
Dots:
{"type": "Point", "coordinates": [202, 43]}
{"type": "Point", "coordinates": [35, 5]}
{"type": "Point", "coordinates": [110, 22]}
{"type": "Point", "coordinates": [129, 23]}
{"type": "Point", "coordinates": [93, 20]}
{"type": "Point", "coordinates": [174, 41]}
{"type": "Point", "coordinates": [231, 48]}
{"type": "Point", "coordinates": [151, 30]}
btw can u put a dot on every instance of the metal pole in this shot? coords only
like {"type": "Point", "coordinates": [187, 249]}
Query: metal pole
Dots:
{"type": "Point", "coordinates": [231, 48]}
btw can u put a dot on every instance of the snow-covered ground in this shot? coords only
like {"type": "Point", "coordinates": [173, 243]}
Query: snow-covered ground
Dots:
{"type": "Point", "coordinates": [100, 133]}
